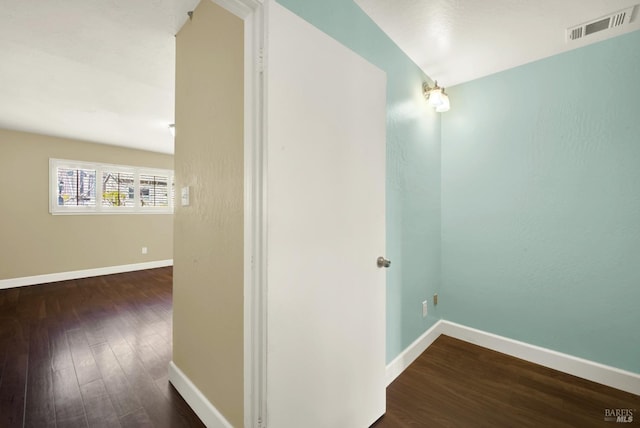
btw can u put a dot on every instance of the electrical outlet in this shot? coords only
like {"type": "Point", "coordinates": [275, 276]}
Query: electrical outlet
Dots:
{"type": "Point", "coordinates": [144, 250]}
{"type": "Point", "coordinates": [424, 309]}
{"type": "Point", "coordinates": [435, 299]}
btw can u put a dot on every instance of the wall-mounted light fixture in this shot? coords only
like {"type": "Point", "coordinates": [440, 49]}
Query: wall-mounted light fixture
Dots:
{"type": "Point", "coordinates": [172, 129]}
{"type": "Point", "coordinates": [436, 97]}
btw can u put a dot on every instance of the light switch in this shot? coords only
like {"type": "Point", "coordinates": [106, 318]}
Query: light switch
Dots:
{"type": "Point", "coordinates": [185, 196]}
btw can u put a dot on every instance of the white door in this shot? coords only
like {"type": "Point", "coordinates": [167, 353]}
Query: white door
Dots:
{"type": "Point", "coordinates": [325, 229]}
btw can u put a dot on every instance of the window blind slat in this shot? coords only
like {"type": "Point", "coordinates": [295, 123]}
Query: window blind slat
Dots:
{"type": "Point", "coordinates": [78, 187]}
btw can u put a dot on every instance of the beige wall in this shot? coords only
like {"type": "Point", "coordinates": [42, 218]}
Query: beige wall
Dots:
{"type": "Point", "coordinates": [34, 242]}
{"type": "Point", "coordinates": [208, 252]}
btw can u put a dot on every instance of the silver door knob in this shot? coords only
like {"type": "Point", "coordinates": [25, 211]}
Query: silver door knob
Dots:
{"type": "Point", "coordinates": [383, 263]}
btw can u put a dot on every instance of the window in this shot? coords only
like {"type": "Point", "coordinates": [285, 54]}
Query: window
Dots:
{"type": "Point", "coordinates": [154, 190]}
{"type": "Point", "coordinates": [76, 187]}
{"type": "Point", "coordinates": [95, 188]}
{"type": "Point", "coordinates": [118, 189]}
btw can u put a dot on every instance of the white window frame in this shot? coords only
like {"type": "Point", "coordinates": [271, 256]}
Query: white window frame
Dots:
{"type": "Point", "coordinates": [100, 168]}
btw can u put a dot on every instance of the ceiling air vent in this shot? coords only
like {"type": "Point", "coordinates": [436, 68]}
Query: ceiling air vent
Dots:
{"type": "Point", "coordinates": [607, 22]}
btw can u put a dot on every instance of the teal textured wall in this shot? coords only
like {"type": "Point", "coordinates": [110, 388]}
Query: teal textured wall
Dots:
{"type": "Point", "coordinates": [413, 168]}
{"type": "Point", "coordinates": [541, 203]}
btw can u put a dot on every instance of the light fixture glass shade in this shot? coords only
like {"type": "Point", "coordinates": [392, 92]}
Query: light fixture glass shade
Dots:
{"type": "Point", "coordinates": [445, 104]}
{"type": "Point", "coordinates": [435, 97]}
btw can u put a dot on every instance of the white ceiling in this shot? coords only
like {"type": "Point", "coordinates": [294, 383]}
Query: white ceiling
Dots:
{"type": "Point", "coordinates": [96, 70]}
{"type": "Point", "coordinates": [455, 41]}
{"type": "Point", "coordinates": [103, 70]}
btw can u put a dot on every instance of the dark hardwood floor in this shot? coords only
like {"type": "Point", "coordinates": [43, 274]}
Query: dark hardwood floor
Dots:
{"type": "Point", "coordinates": [90, 352]}
{"type": "Point", "coordinates": [457, 384]}
{"type": "Point", "coordinates": [94, 352]}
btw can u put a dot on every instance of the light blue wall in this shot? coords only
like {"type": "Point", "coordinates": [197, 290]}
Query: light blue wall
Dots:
{"type": "Point", "coordinates": [541, 203]}
{"type": "Point", "coordinates": [413, 168]}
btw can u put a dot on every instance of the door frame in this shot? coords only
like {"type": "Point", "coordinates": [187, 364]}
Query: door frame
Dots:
{"type": "Point", "coordinates": [252, 12]}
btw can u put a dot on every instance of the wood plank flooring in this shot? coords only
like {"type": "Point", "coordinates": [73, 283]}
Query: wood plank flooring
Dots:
{"type": "Point", "coordinates": [91, 352]}
{"type": "Point", "coordinates": [94, 353]}
{"type": "Point", "coordinates": [457, 384]}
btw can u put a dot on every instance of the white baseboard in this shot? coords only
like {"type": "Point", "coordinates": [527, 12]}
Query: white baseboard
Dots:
{"type": "Point", "coordinates": [202, 407]}
{"type": "Point", "coordinates": [586, 369]}
{"type": "Point", "coordinates": [86, 273]}
{"type": "Point", "coordinates": [590, 370]}
{"type": "Point", "coordinates": [413, 351]}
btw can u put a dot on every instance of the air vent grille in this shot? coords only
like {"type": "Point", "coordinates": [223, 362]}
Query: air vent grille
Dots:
{"type": "Point", "coordinates": [607, 22]}
{"type": "Point", "coordinates": [618, 19]}
{"type": "Point", "coordinates": [576, 33]}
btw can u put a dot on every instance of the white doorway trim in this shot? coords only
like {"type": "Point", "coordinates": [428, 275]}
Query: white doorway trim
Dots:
{"type": "Point", "coordinates": [253, 14]}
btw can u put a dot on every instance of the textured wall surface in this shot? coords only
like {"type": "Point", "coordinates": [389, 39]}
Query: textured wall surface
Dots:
{"type": "Point", "coordinates": [413, 168]}
{"type": "Point", "coordinates": [34, 242]}
{"type": "Point", "coordinates": [208, 250]}
{"type": "Point", "coordinates": [541, 203]}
